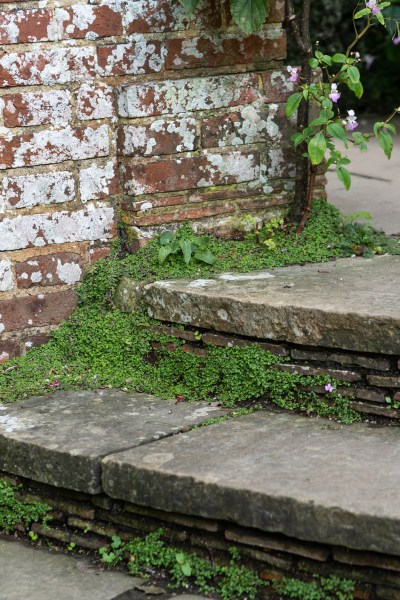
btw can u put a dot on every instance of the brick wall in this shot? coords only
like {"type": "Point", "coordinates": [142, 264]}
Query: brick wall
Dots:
{"type": "Point", "coordinates": [127, 109]}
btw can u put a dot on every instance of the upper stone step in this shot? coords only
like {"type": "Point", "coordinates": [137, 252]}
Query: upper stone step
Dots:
{"type": "Point", "coordinates": [350, 303]}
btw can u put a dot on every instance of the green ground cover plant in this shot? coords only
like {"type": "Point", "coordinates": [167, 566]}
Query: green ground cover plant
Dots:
{"type": "Point", "coordinates": [231, 581]}
{"type": "Point", "coordinates": [100, 346]}
{"type": "Point", "coordinates": [14, 510]}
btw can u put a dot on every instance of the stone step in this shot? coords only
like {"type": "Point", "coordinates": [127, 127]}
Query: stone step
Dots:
{"type": "Point", "coordinates": [351, 304]}
{"type": "Point", "coordinates": [308, 479]}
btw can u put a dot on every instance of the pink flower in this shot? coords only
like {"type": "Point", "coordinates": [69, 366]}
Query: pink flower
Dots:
{"type": "Point", "coordinates": [371, 4]}
{"type": "Point", "coordinates": [329, 387]}
{"type": "Point", "coordinates": [351, 120]}
{"type": "Point", "coordinates": [334, 94]}
{"type": "Point", "coordinates": [396, 40]}
{"type": "Point", "coordinates": [294, 74]}
{"type": "Point", "coordinates": [54, 383]}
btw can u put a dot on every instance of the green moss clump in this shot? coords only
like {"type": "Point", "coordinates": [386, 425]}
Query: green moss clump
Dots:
{"type": "Point", "coordinates": [14, 510]}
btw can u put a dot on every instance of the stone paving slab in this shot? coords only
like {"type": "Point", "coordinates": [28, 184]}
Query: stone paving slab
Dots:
{"type": "Point", "coordinates": [61, 439]}
{"type": "Point", "coordinates": [38, 574]}
{"type": "Point", "coordinates": [350, 303]}
{"type": "Point", "coordinates": [310, 479]}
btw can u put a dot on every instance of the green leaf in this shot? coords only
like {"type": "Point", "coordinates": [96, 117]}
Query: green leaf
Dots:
{"type": "Point", "coordinates": [186, 247]}
{"type": "Point", "coordinates": [318, 54]}
{"type": "Point", "coordinates": [391, 128]}
{"type": "Point", "coordinates": [344, 176]}
{"type": "Point", "coordinates": [326, 103]}
{"type": "Point", "coordinates": [327, 59]}
{"type": "Point", "coordinates": [354, 74]}
{"type": "Point", "coordinates": [386, 142]}
{"type": "Point", "coordinates": [313, 62]}
{"type": "Point", "coordinates": [297, 139]}
{"type": "Point", "coordinates": [357, 88]}
{"type": "Point", "coordinates": [249, 15]}
{"type": "Point", "coordinates": [380, 18]}
{"type": "Point", "coordinates": [206, 256]}
{"type": "Point", "coordinates": [317, 148]}
{"type": "Point", "coordinates": [362, 13]}
{"type": "Point", "coordinates": [186, 569]}
{"type": "Point", "coordinates": [180, 558]}
{"type": "Point", "coordinates": [377, 127]}
{"type": "Point", "coordinates": [339, 58]}
{"type": "Point", "coordinates": [190, 5]}
{"type": "Point", "coordinates": [337, 131]}
{"type": "Point", "coordinates": [166, 237]}
{"type": "Point", "coordinates": [318, 121]}
{"type": "Point", "coordinates": [293, 103]}
{"type": "Point", "coordinates": [163, 252]}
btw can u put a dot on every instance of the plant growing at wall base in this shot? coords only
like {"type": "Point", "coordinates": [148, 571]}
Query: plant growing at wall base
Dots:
{"type": "Point", "coordinates": [14, 510]}
{"type": "Point", "coordinates": [187, 246]}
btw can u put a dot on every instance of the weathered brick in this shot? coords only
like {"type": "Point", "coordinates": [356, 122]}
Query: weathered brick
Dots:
{"type": "Point", "coordinates": [134, 58]}
{"type": "Point", "coordinates": [382, 381]}
{"type": "Point", "coordinates": [387, 593]}
{"type": "Point", "coordinates": [182, 214]}
{"type": "Point", "coordinates": [157, 138]}
{"type": "Point", "coordinates": [375, 409]}
{"type": "Point", "coordinates": [50, 269]}
{"type": "Point", "coordinates": [94, 101]}
{"type": "Point", "coordinates": [313, 372]}
{"type": "Point", "coordinates": [225, 49]}
{"type": "Point", "coordinates": [9, 349]}
{"type": "Point", "coordinates": [362, 394]}
{"type": "Point", "coordinates": [195, 351]}
{"type": "Point", "coordinates": [71, 507]}
{"type": "Point", "coordinates": [53, 146]}
{"type": "Point", "coordinates": [280, 543]}
{"type": "Point", "coordinates": [99, 181]}
{"type": "Point", "coordinates": [187, 95]}
{"type": "Point", "coordinates": [92, 527]}
{"type": "Point", "coordinates": [189, 336]}
{"type": "Point", "coordinates": [277, 87]}
{"type": "Point", "coordinates": [193, 172]}
{"type": "Point", "coordinates": [96, 254]}
{"type": "Point", "coordinates": [149, 16]}
{"type": "Point", "coordinates": [183, 520]}
{"type": "Point", "coordinates": [88, 21]}
{"type": "Point", "coordinates": [6, 275]}
{"type": "Point", "coordinates": [26, 191]}
{"type": "Point", "coordinates": [32, 341]}
{"type": "Point", "coordinates": [251, 124]}
{"type": "Point", "coordinates": [367, 559]}
{"type": "Point", "coordinates": [51, 532]}
{"type": "Point", "coordinates": [218, 339]}
{"type": "Point", "coordinates": [91, 223]}
{"type": "Point", "coordinates": [47, 67]}
{"type": "Point", "coordinates": [35, 311]}
{"type": "Point", "coordinates": [396, 397]}
{"type": "Point", "coordinates": [380, 364]}
{"type": "Point", "coordinates": [37, 108]}
{"type": "Point", "coordinates": [24, 26]}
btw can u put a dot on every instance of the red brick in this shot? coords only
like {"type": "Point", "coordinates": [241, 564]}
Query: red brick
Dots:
{"type": "Point", "coordinates": [32, 341]}
{"type": "Point", "coordinates": [382, 381]}
{"type": "Point", "coordinates": [195, 351]}
{"type": "Point", "coordinates": [25, 191]}
{"type": "Point", "coordinates": [53, 146]}
{"type": "Point", "coordinates": [37, 108]}
{"type": "Point", "coordinates": [94, 101]}
{"type": "Point", "coordinates": [99, 181]}
{"type": "Point", "coordinates": [313, 372]}
{"type": "Point", "coordinates": [157, 138]}
{"type": "Point", "coordinates": [248, 125]}
{"type": "Point", "coordinates": [396, 397]}
{"type": "Point", "coordinates": [9, 349]}
{"type": "Point", "coordinates": [96, 254]}
{"type": "Point", "coordinates": [51, 269]}
{"type": "Point", "coordinates": [224, 49]}
{"type": "Point", "coordinates": [58, 66]}
{"type": "Point", "coordinates": [277, 87]}
{"type": "Point", "coordinates": [35, 311]}
{"type": "Point", "coordinates": [23, 26]}
{"type": "Point", "coordinates": [187, 95]}
{"type": "Point", "coordinates": [375, 409]}
{"type": "Point", "coordinates": [162, 15]}
{"type": "Point", "coordinates": [187, 173]}
{"type": "Point", "coordinates": [88, 21]}
{"type": "Point", "coordinates": [183, 214]}
{"type": "Point", "coordinates": [130, 59]}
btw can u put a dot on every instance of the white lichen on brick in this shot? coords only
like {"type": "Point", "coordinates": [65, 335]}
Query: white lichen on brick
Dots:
{"type": "Point", "coordinates": [94, 101]}
{"type": "Point", "coordinates": [26, 191]}
{"type": "Point", "coordinates": [183, 95]}
{"type": "Point", "coordinates": [43, 107]}
{"type": "Point", "coordinates": [58, 145]}
{"type": "Point", "coordinates": [83, 15]}
{"type": "Point", "coordinates": [239, 166]}
{"type": "Point", "coordinates": [92, 223]}
{"type": "Point", "coordinates": [68, 272]}
{"type": "Point", "coordinates": [6, 275]}
{"type": "Point", "coordinates": [134, 56]}
{"type": "Point", "coordinates": [138, 137]}
{"type": "Point", "coordinates": [95, 180]}
{"type": "Point", "coordinates": [48, 67]}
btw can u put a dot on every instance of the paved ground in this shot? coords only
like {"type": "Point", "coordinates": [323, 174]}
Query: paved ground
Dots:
{"type": "Point", "coordinates": [28, 573]}
{"type": "Point", "coordinates": [375, 185]}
